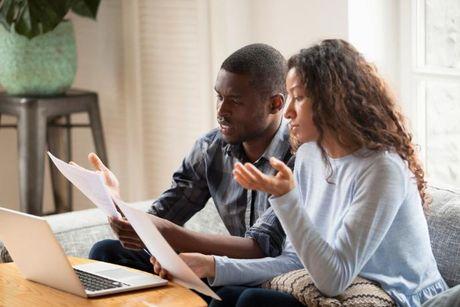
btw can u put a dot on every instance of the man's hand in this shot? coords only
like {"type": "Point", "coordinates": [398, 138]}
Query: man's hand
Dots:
{"type": "Point", "coordinates": [250, 177]}
{"type": "Point", "coordinates": [202, 265]}
{"type": "Point", "coordinates": [110, 179]}
{"type": "Point", "coordinates": [126, 233]}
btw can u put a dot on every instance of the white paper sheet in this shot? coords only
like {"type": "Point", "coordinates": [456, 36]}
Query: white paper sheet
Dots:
{"type": "Point", "coordinates": [90, 183]}
{"type": "Point", "coordinates": [145, 228]}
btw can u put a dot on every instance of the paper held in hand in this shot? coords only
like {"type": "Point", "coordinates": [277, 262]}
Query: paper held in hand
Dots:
{"type": "Point", "coordinates": [143, 224]}
{"type": "Point", "coordinates": [91, 184]}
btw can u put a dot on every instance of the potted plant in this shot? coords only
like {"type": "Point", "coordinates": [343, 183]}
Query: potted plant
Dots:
{"type": "Point", "coordinates": [37, 44]}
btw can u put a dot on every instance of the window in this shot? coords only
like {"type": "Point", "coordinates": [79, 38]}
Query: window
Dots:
{"type": "Point", "coordinates": [432, 84]}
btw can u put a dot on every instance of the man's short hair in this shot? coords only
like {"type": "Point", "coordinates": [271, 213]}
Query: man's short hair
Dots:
{"type": "Point", "coordinates": [265, 65]}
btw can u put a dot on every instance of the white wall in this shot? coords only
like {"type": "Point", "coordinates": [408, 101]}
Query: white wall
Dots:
{"type": "Point", "coordinates": [373, 28]}
{"type": "Point", "coordinates": [286, 25]}
{"type": "Point", "coordinates": [110, 62]}
{"type": "Point", "coordinates": [101, 69]}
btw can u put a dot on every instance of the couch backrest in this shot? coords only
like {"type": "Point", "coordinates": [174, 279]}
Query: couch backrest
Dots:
{"type": "Point", "coordinates": [444, 227]}
{"type": "Point", "coordinates": [443, 224]}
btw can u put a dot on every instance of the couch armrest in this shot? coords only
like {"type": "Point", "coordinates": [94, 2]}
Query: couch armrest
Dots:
{"type": "Point", "coordinates": [444, 227]}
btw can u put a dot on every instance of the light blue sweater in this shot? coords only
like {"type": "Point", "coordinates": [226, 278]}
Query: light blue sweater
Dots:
{"type": "Point", "coordinates": [368, 221]}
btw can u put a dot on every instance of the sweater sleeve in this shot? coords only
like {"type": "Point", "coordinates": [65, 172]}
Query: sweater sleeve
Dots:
{"type": "Point", "coordinates": [252, 272]}
{"type": "Point", "coordinates": [378, 194]}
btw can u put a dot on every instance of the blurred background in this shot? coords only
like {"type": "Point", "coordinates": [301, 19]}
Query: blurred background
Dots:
{"type": "Point", "coordinates": [154, 62]}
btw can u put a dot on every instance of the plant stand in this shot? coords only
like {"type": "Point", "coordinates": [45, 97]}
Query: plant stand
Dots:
{"type": "Point", "coordinates": [41, 121]}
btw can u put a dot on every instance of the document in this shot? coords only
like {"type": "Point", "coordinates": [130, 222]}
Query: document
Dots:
{"type": "Point", "coordinates": [90, 183]}
{"type": "Point", "coordinates": [143, 224]}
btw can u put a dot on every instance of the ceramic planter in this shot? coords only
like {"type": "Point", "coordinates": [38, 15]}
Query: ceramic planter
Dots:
{"type": "Point", "coordinates": [43, 65]}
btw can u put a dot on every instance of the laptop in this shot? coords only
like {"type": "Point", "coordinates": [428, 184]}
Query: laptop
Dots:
{"type": "Point", "coordinates": [40, 258]}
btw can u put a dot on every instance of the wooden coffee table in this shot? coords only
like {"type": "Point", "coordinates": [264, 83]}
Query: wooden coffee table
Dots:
{"type": "Point", "coordinates": [15, 291]}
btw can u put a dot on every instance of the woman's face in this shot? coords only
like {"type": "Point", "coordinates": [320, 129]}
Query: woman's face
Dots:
{"type": "Point", "coordinates": [298, 110]}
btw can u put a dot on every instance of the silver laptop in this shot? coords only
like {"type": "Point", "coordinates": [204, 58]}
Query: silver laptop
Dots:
{"type": "Point", "coordinates": [40, 258]}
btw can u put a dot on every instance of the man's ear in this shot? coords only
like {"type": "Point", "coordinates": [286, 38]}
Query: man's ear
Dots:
{"type": "Point", "coordinates": [276, 103]}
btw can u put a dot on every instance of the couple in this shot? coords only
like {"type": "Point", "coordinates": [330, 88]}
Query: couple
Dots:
{"type": "Point", "coordinates": [353, 206]}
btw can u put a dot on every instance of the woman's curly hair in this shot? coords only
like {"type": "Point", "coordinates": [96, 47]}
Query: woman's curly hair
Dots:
{"type": "Point", "coordinates": [352, 102]}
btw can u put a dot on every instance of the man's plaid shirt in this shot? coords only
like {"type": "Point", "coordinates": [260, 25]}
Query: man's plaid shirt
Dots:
{"type": "Point", "coordinates": [207, 172]}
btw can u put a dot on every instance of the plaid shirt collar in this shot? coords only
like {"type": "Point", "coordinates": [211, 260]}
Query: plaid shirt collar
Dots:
{"type": "Point", "coordinates": [273, 150]}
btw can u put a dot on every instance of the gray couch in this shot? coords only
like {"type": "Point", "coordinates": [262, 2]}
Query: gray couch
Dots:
{"type": "Point", "coordinates": [78, 231]}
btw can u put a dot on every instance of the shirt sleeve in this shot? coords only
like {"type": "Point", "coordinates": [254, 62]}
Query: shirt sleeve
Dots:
{"type": "Point", "coordinates": [252, 272]}
{"type": "Point", "coordinates": [189, 190]}
{"type": "Point", "coordinates": [268, 233]}
{"type": "Point", "coordinates": [379, 193]}
{"type": "Point", "coordinates": [267, 230]}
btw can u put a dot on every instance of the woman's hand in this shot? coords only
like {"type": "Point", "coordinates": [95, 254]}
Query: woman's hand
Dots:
{"type": "Point", "coordinates": [202, 265]}
{"type": "Point", "coordinates": [250, 177]}
{"type": "Point", "coordinates": [157, 269]}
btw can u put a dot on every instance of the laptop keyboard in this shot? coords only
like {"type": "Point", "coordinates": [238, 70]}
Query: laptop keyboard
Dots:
{"type": "Point", "coordinates": [93, 282]}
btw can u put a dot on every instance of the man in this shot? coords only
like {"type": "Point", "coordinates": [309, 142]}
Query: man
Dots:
{"type": "Point", "coordinates": [250, 98]}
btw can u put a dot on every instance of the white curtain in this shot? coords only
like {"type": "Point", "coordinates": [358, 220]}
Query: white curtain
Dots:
{"type": "Point", "coordinates": [168, 90]}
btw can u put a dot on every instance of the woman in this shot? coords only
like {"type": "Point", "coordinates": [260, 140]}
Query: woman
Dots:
{"type": "Point", "coordinates": [356, 204]}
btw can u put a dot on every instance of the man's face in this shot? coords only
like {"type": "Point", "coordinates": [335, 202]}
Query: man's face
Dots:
{"type": "Point", "coordinates": [241, 112]}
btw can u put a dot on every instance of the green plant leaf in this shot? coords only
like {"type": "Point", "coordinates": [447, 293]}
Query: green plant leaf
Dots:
{"type": "Point", "coordinates": [37, 17]}
{"type": "Point", "coordinates": [25, 23]}
{"type": "Point", "coordinates": [7, 13]}
{"type": "Point", "coordinates": [86, 8]}
{"type": "Point", "coordinates": [49, 13]}
{"type": "Point", "coordinates": [9, 10]}
{"type": "Point", "coordinates": [4, 23]}
{"type": "Point", "coordinates": [34, 17]}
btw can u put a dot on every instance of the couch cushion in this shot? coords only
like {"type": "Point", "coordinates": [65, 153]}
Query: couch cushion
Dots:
{"type": "Point", "coordinates": [444, 227]}
{"type": "Point", "coordinates": [207, 220]}
{"type": "Point", "coordinates": [360, 293]}
{"type": "Point", "coordinates": [78, 231]}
